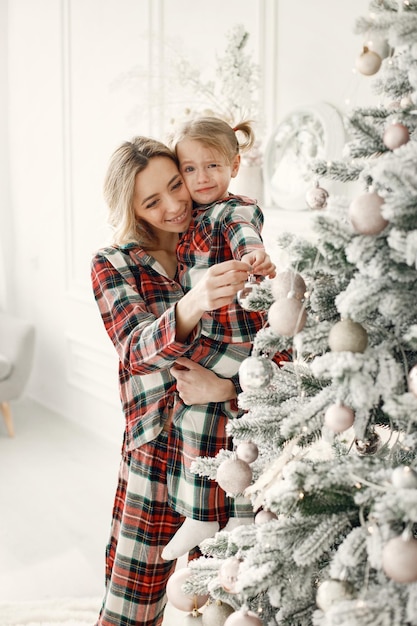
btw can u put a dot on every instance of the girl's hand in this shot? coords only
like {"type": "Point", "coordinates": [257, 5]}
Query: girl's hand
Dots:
{"type": "Point", "coordinates": [260, 263]}
{"type": "Point", "coordinates": [198, 385]}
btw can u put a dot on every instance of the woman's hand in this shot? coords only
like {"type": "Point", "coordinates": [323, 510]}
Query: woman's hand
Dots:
{"type": "Point", "coordinates": [198, 385]}
{"type": "Point", "coordinates": [217, 288]}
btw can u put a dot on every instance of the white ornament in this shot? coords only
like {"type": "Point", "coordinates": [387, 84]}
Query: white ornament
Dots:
{"type": "Point", "coordinates": [404, 477]}
{"type": "Point", "coordinates": [399, 559]}
{"type": "Point", "coordinates": [243, 618]}
{"type": "Point", "coordinates": [255, 372]}
{"type": "Point", "coordinates": [330, 592]}
{"type": "Point", "coordinates": [368, 62]}
{"type": "Point", "coordinates": [177, 597]}
{"type": "Point", "coordinates": [379, 45]}
{"type": "Point", "coordinates": [396, 135]}
{"type": "Point", "coordinates": [288, 284]}
{"type": "Point", "coordinates": [287, 316]}
{"type": "Point", "coordinates": [263, 516]}
{"type": "Point", "coordinates": [365, 214]}
{"type": "Point", "coordinates": [348, 336]}
{"type": "Point", "coordinates": [412, 380]}
{"type": "Point", "coordinates": [339, 418]}
{"type": "Point", "coordinates": [228, 573]}
{"type": "Point", "coordinates": [216, 613]}
{"type": "Point", "coordinates": [234, 475]}
{"type": "Point", "coordinates": [247, 451]}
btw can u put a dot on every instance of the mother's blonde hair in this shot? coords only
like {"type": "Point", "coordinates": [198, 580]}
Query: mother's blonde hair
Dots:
{"type": "Point", "coordinates": [128, 160]}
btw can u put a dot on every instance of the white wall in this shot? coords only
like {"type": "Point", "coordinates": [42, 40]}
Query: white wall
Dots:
{"type": "Point", "coordinates": [70, 104]}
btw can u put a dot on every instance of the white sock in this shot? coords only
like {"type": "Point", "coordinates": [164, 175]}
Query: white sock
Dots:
{"type": "Point", "coordinates": [188, 536]}
{"type": "Point", "coordinates": [234, 522]}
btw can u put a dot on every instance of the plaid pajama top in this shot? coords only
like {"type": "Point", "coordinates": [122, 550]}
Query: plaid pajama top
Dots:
{"type": "Point", "coordinates": [224, 230]}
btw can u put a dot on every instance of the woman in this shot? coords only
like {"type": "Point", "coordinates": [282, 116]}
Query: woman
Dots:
{"type": "Point", "coordinates": [152, 324]}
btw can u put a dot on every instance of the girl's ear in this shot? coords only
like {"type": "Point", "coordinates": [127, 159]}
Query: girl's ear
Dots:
{"type": "Point", "coordinates": [235, 166]}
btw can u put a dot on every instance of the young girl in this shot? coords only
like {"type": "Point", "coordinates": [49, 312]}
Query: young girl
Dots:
{"type": "Point", "coordinates": [224, 227]}
{"type": "Point", "coordinates": [151, 323]}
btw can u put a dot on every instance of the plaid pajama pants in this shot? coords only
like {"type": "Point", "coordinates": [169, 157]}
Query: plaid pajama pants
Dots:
{"type": "Point", "coordinates": [143, 523]}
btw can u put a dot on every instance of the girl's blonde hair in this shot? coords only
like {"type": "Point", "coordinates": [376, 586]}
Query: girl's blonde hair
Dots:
{"type": "Point", "coordinates": [215, 133]}
{"type": "Point", "coordinates": [128, 160]}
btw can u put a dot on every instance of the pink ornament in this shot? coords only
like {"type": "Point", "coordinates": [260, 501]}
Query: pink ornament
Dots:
{"type": "Point", "coordinates": [287, 316]}
{"type": "Point", "coordinates": [264, 516]}
{"type": "Point", "coordinates": [234, 476]}
{"type": "Point", "coordinates": [288, 284]}
{"type": "Point", "coordinates": [339, 417]}
{"type": "Point", "coordinates": [399, 559]}
{"type": "Point", "coordinates": [412, 380]}
{"type": "Point", "coordinates": [243, 618]}
{"type": "Point", "coordinates": [177, 597]}
{"type": "Point", "coordinates": [247, 451]}
{"type": "Point", "coordinates": [348, 336]}
{"type": "Point", "coordinates": [228, 573]}
{"type": "Point", "coordinates": [396, 135]}
{"type": "Point", "coordinates": [365, 214]}
{"type": "Point", "coordinates": [368, 62]}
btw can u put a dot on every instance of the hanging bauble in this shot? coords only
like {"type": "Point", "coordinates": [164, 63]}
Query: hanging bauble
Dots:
{"type": "Point", "coordinates": [412, 380]}
{"type": "Point", "coordinates": [365, 214]}
{"type": "Point", "coordinates": [228, 573]}
{"type": "Point", "coordinates": [255, 372]}
{"type": "Point", "coordinates": [287, 316]}
{"type": "Point", "coordinates": [243, 296]}
{"type": "Point", "coordinates": [395, 135]}
{"type": "Point", "coordinates": [339, 417]}
{"type": "Point", "coordinates": [348, 336]}
{"type": "Point", "coordinates": [369, 445]}
{"type": "Point", "coordinates": [288, 284]}
{"type": "Point", "coordinates": [243, 618]}
{"type": "Point", "coordinates": [406, 102]}
{"type": "Point", "coordinates": [177, 597]}
{"type": "Point", "coordinates": [404, 477]}
{"type": "Point", "coordinates": [247, 451]}
{"type": "Point", "coordinates": [368, 62]}
{"type": "Point", "coordinates": [193, 619]}
{"type": "Point", "coordinates": [331, 592]}
{"type": "Point", "coordinates": [263, 516]}
{"type": "Point", "coordinates": [234, 475]}
{"type": "Point", "coordinates": [216, 613]}
{"type": "Point", "coordinates": [316, 197]}
{"type": "Point", "coordinates": [399, 559]}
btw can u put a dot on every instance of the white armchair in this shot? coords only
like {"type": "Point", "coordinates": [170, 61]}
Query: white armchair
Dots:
{"type": "Point", "coordinates": [17, 347]}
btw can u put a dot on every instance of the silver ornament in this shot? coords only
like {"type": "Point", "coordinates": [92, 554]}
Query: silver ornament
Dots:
{"type": "Point", "coordinates": [255, 372]}
{"type": "Point", "coordinates": [243, 296]}
{"type": "Point", "coordinates": [368, 446]}
{"type": "Point", "coordinates": [316, 197]}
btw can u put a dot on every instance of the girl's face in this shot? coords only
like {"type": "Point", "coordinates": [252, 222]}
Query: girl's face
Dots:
{"type": "Point", "coordinates": [161, 198]}
{"type": "Point", "coordinates": [205, 171]}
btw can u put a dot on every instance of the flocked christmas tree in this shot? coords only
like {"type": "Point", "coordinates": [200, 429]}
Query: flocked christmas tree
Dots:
{"type": "Point", "coordinates": [327, 448]}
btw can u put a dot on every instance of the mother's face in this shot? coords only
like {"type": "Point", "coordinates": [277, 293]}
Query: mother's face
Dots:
{"type": "Point", "coordinates": [161, 198]}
